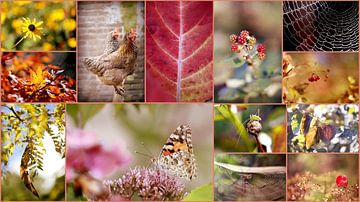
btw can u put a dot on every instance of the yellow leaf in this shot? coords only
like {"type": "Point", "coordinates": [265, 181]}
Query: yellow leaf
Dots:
{"type": "Point", "coordinates": [37, 76]}
{"type": "Point", "coordinates": [310, 136]}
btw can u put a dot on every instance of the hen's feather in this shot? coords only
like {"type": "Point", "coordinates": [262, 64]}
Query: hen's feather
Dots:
{"type": "Point", "coordinates": [113, 68]}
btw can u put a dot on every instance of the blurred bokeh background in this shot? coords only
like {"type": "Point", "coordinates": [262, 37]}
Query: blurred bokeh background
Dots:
{"type": "Point", "coordinates": [347, 164]}
{"type": "Point", "coordinates": [126, 126]}
{"type": "Point", "coordinates": [314, 177]}
{"type": "Point", "coordinates": [59, 27]}
{"type": "Point", "coordinates": [264, 21]}
{"type": "Point", "coordinates": [229, 136]}
{"type": "Point", "coordinates": [339, 77]}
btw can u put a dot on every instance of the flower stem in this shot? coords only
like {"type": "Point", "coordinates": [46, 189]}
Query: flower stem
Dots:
{"type": "Point", "coordinates": [18, 42]}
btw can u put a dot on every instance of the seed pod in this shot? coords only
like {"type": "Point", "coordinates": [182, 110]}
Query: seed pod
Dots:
{"type": "Point", "coordinates": [253, 127]}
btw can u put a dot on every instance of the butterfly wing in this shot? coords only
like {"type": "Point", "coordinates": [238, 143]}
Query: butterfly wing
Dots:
{"type": "Point", "coordinates": [177, 154]}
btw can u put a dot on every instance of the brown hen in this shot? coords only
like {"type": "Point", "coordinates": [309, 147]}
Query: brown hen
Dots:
{"type": "Point", "coordinates": [113, 68]}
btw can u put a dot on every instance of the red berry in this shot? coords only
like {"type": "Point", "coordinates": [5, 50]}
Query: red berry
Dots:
{"type": "Point", "coordinates": [341, 181]}
{"type": "Point", "coordinates": [314, 77]}
{"type": "Point", "coordinates": [244, 33]}
{"type": "Point", "coordinates": [234, 47]}
{"type": "Point", "coordinates": [233, 38]}
{"type": "Point", "coordinates": [261, 48]}
{"type": "Point", "coordinates": [241, 40]}
{"type": "Point", "coordinates": [261, 55]}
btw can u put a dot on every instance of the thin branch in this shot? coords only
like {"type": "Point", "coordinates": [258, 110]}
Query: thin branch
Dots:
{"type": "Point", "coordinates": [14, 112]}
{"type": "Point", "coordinates": [258, 170]}
{"type": "Point", "coordinates": [42, 88]}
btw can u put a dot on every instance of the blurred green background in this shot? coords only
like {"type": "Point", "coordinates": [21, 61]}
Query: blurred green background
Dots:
{"type": "Point", "coordinates": [230, 138]}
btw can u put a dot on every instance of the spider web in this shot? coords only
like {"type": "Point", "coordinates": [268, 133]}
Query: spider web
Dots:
{"type": "Point", "coordinates": [321, 26]}
{"type": "Point", "coordinates": [235, 186]}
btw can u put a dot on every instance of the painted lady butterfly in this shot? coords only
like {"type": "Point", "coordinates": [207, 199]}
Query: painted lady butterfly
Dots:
{"type": "Point", "coordinates": [177, 156]}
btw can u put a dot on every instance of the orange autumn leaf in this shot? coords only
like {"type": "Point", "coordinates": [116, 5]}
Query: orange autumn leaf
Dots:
{"type": "Point", "coordinates": [37, 75]}
{"type": "Point", "coordinates": [53, 66]}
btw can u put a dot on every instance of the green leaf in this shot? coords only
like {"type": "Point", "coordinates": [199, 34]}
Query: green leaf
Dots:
{"type": "Point", "coordinates": [72, 110]}
{"type": "Point", "coordinates": [236, 62]}
{"type": "Point", "coordinates": [83, 113]}
{"type": "Point", "coordinates": [203, 193]}
{"type": "Point", "coordinates": [226, 112]}
{"type": "Point", "coordinates": [88, 112]}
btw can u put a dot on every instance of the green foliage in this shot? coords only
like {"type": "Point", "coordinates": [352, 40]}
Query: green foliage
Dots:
{"type": "Point", "coordinates": [226, 112]}
{"type": "Point", "coordinates": [203, 193]}
{"type": "Point", "coordinates": [25, 125]}
{"type": "Point", "coordinates": [254, 117]}
{"type": "Point", "coordinates": [129, 15]}
{"type": "Point", "coordinates": [13, 189]}
{"type": "Point", "coordinates": [81, 114]}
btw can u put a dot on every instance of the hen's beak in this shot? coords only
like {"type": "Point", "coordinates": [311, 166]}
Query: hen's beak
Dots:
{"type": "Point", "coordinates": [115, 34]}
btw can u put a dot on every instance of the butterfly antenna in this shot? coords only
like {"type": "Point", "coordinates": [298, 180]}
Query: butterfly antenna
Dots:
{"type": "Point", "coordinates": [147, 149]}
{"type": "Point", "coordinates": [143, 154]}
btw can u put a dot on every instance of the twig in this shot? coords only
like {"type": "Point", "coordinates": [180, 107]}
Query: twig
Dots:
{"type": "Point", "coordinates": [40, 89]}
{"type": "Point", "coordinates": [258, 170]}
{"type": "Point", "coordinates": [14, 112]}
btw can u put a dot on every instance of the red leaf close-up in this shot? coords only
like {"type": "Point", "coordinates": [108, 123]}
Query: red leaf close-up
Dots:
{"type": "Point", "coordinates": [179, 51]}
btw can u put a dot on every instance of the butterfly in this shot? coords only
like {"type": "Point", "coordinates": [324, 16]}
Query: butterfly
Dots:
{"type": "Point", "coordinates": [176, 156]}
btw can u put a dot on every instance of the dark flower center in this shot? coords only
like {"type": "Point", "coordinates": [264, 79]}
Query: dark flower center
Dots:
{"type": "Point", "coordinates": [31, 27]}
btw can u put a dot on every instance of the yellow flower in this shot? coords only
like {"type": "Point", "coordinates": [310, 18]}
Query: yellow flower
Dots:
{"type": "Point", "coordinates": [21, 3]}
{"type": "Point", "coordinates": [40, 5]}
{"type": "Point", "coordinates": [47, 46]}
{"type": "Point", "coordinates": [32, 28]}
{"type": "Point", "coordinates": [72, 12]}
{"type": "Point", "coordinates": [16, 24]}
{"type": "Point", "coordinates": [57, 15]}
{"type": "Point", "coordinates": [17, 9]}
{"type": "Point", "coordinates": [72, 42]}
{"type": "Point", "coordinates": [2, 16]}
{"type": "Point", "coordinates": [69, 24]}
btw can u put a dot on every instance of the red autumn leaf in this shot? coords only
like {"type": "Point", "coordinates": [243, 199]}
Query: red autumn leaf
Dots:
{"type": "Point", "coordinates": [327, 132]}
{"type": "Point", "coordinates": [179, 51]}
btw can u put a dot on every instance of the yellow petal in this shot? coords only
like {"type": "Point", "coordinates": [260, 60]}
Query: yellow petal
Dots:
{"type": "Point", "coordinates": [39, 23]}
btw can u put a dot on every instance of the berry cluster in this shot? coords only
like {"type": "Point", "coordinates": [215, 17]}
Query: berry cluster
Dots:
{"type": "Point", "coordinates": [341, 181]}
{"type": "Point", "coordinates": [314, 77]}
{"type": "Point", "coordinates": [244, 42]}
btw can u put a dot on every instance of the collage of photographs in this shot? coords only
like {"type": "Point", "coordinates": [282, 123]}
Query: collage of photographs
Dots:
{"type": "Point", "coordinates": [184, 100]}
